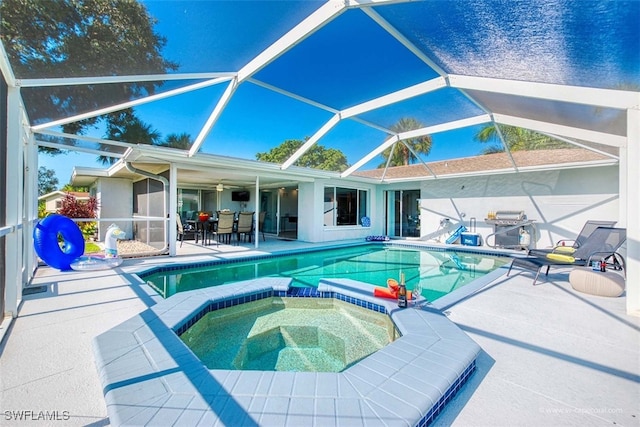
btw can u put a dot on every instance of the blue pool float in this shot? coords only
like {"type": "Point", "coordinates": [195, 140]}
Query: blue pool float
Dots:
{"type": "Point", "coordinates": [45, 241]}
{"type": "Point", "coordinates": [377, 238]}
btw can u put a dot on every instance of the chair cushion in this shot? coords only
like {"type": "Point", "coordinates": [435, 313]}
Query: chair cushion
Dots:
{"type": "Point", "coordinates": [561, 258]}
{"type": "Point", "coordinates": [605, 284]}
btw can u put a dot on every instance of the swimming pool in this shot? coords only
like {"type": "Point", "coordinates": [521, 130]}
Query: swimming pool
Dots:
{"type": "Point", "coordinates": [437, 272]}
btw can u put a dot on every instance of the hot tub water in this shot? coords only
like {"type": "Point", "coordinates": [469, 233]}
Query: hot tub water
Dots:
{"type": "Point", "coordinates": [289, 334]}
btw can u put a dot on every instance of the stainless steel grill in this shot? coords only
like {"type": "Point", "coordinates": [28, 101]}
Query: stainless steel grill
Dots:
{"type": "Point", "coordinates": [507, 218]}
{"type": "Point", "coordinates": [507, 226]}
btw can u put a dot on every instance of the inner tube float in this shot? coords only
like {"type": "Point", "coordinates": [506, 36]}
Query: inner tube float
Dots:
{"type": "Point", "coordinates": [110, 258]}
{"type": "Point", "coordinates": [45, 241]}
{"type": "Point", "coordinates": [87, 263]}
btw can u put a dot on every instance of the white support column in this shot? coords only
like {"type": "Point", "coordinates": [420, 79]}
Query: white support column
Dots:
{"type": "Point", "coordinates": [13, 241]}
{"type": "Point", "coordinates": [173, 208]}
{"type": "Point", "coordinates": [630, 218]}
{"type": "Point", "coordinates": [30, 205]}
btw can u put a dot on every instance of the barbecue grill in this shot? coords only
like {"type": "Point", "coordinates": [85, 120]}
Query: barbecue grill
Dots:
{"type": "Point", "coordinates": [507, 227]}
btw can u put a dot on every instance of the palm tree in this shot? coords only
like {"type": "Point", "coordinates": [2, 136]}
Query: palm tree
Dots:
{"type": "Point", "coordinates": [516, 138]}
{"type": "Point", "coordinates": [125, 126]}
{"type": "Point", "coordinates": [402, 156]}
{"type": "Point", "coordinates": [181, 141]}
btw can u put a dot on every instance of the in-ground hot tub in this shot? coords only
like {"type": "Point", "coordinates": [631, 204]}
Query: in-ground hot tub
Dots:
{"type": "Point", "coordinates": [289, 334]}
{"type": "Point", "coordinates": [151, 377]}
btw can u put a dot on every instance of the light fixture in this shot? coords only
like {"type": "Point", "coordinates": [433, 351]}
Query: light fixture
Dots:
{"type": "Point", "coordinates": [219, 189]}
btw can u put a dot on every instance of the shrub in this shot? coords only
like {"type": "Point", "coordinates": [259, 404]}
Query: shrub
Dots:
{"type": "Point", "coordinates": [74, 208]}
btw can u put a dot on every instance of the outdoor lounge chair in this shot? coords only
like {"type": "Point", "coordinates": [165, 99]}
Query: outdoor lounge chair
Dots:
{"type": "Point", "coordinates": [602, 243]}
{"type": "Point", "coordinates": [569, 246]}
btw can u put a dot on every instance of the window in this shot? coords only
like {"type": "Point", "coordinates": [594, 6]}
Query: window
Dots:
{"type": "Point", "coordinates": [344, 206]}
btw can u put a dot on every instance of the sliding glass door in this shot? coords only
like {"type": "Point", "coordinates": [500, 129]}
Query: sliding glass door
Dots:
{"type": "Point", "coordinates": [402, 213]}
{"type": "Point", "coordinates": [269, 205]}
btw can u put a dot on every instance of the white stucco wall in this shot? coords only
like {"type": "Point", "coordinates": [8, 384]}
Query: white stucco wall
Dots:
{"type": "Point", "coordinates": [560, 202]}
{"type": "Point", "coordinates": [115, 200]}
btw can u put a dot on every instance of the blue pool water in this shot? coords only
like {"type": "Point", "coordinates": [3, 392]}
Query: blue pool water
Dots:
{"type": "Point", "coordinates": [437, 272]}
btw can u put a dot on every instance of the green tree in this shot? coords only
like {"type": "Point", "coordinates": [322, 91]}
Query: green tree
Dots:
{"type": "Point", "coordinates": [125, 126]}
{"type": "Point", "coordinates": [47, 181]}
{"type": "Point", "coordinates": [68, 188]}
{"type": "Point", "coordinates": [42, 209]}
{"type": "Point", "coordinates": [317, 157]}
{"type": "Point", "coordinates": [79, 38]}
{"type": "Point", "coordinates": [181, 141]}
{"type": "Point", "coordinates": [402, 156]}
{"type": "Point", "coordinates": [516, 138]}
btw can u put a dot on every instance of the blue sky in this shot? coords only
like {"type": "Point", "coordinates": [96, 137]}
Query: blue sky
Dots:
{"type": "Point", "coordinates": [352, 60]}
{"type": "Point", "coordinates": [257, 119]}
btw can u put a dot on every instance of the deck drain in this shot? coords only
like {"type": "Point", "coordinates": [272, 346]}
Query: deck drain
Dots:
{"type": "Point", "coordinates": [34, 290]}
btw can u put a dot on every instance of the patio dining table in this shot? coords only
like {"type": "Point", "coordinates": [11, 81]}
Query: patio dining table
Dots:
{"type": "Point", "coordinates": [204, 229]}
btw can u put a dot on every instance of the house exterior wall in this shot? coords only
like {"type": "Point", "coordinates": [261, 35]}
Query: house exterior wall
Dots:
{"type": "Point", "coordinates": [51, 205]}
{"type": "Point", "coordinates": [559, 201]}
{"type": "Point", "coordinates": [53, 201]}
{"type": "Point", "coordinates": [310, 211]}
{"type": "Point", "coordinates": [114, 196]}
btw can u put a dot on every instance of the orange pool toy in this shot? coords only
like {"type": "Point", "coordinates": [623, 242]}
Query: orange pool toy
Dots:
{"type": "Point", "coordinates": [382, 292]}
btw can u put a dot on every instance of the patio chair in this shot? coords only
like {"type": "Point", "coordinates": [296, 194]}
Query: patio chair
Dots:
{"type": "Point", "coordinates": [569, 246]}
{"type": "Point", "coordinates": [182, 231]}
{"type": "Point", "coordinates": [225, 225]}
{"type": "Point", "coordinates": [245, 225]}
{"type": "Point", "coordinates": [602, 243]}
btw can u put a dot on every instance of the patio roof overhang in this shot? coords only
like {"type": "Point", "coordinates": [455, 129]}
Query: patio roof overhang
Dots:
{"type": "Point", "coordinates": [205, 170]}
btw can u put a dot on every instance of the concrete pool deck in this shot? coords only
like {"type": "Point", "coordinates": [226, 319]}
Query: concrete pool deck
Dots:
{"type": "Point", "coordinates": [550, 356]}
